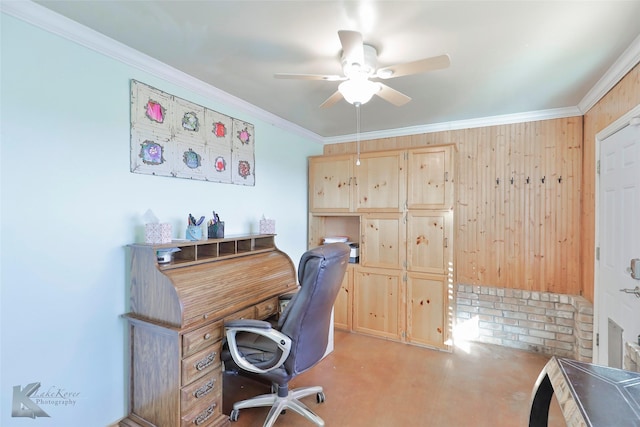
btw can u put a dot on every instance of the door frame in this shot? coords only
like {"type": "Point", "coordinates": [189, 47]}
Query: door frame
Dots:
{"type": "Point", "coordinates": [605, 133]}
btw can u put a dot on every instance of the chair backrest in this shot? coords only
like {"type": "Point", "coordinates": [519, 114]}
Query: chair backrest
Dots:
{"type": "Point", "coordinates": [308, 315]}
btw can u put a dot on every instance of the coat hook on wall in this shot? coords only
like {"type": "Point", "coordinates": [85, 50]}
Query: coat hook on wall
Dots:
{"type": "Point", "coordinates": [511, 180]}
{"type": "Point", "coordinates": [498, 181]}
{"type": "Point", "coordinates": [543, 178]}
{"type": "Point", "coordinates": [527, 180]}
{"type": "Point", "coordinates": [560, 180]}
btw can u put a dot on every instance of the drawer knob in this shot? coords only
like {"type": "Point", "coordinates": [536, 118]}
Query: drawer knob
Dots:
{"type": "Point", "coordinates": [204, 316]}
{"type": "Point", "coordinates": [207, 336]}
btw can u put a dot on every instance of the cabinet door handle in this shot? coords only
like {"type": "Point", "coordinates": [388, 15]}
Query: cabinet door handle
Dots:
{"type": "Point", "coordinates": [446, 242]}
{"type": "Point", "coordinates": [446, 176]}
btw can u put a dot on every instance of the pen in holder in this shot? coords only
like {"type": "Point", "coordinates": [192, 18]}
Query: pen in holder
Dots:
{"type": "Point", "coordinates": [216, 230]}
{"type": "Point", "coordinates": [194, 232]}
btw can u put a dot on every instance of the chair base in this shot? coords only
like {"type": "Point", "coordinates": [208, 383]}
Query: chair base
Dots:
{"type": "Point", "coordinates": [280, 403]}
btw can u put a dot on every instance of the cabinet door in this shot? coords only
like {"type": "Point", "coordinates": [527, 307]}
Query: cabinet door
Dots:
{"type": "Point", "coordinates": [376, 303]}
{"type": "Point", "coordinates": [429, 241]}
{"type": "Point", "coordinates": [342, 308]}
{"type": "Point", "coordinates": [383, 241]}
{"type": "Point", "coordinates": [426, 310]}
{"type": "Point", "coordinates": [430, 178]}
{"type": "Point", "coordinates": [380, 180]}
{"type": "Point", "coordinates": [330, 183]}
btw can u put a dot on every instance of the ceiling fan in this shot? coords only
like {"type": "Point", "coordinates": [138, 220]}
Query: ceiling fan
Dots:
{"type": "Point", "coordinates": [359, 62]}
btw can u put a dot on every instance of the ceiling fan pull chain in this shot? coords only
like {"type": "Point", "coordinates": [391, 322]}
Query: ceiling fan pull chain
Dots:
{"type": "Point", "coordinates": [357, 104]}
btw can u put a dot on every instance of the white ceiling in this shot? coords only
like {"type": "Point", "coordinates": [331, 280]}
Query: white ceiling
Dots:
{"type": "Point", "coordinates": [507, 57]}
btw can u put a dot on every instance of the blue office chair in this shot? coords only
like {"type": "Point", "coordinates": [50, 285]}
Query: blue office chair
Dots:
{"type": "Point", "coordinates": [278, 354]}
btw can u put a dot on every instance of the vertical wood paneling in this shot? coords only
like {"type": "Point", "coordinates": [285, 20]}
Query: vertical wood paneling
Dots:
{"type": "Point", "coordinates": [514, 235]}
{"type": "Point", "coordinates": [622, 98]}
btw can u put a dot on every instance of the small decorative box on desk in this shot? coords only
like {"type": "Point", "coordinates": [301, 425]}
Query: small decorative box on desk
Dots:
{"type": "Point", "coordinates": [176, 320]}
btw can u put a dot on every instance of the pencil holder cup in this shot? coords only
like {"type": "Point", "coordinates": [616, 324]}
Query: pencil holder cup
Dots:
{"type": "Point", "coordinates": [194, 232]}
{"type": "Point", "coordinates": [216, 230]}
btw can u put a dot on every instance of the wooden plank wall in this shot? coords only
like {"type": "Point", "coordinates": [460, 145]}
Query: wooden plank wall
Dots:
{"type": "Point", "coordinates": [521, 235]}
{"type": "Point", "coordinates": [618, 101]}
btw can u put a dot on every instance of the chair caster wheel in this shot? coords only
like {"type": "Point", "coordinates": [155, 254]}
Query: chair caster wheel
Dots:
{"type": "Point", "coordinates": [235, 413]}
{"type": "Point", "coordinates": [320, 397]}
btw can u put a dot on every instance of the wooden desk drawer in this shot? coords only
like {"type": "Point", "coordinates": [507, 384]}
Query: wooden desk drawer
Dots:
{"type": "Point", "coordinates": [247, 313]}
{"type": "Point", "coordinates": [201, 390]}
{"type": "Point", "coordinates": [201, 364]}
{"type": "Point", "coordinates": [203, 337]}
{"type": "Point", "coordinates": [266, 308]}
{"type": "Point", "coordinates": [205, 414]}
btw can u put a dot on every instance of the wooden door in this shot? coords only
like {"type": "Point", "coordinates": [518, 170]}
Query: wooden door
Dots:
{"type": "Point", "coordinates": [430, 173]}
{"type": "Point", "coordinates": [381, 182]}
{"type": "Point", "coordinates": [619, 242]}
{"type": "Point", "coordinates": [377, 303]}
{"type": "Point", "coordinates": [427, 305]}
{"type": "Point", "coordinates": [430, 241]}
{"type": "Point", "coordinates": [382, 243]}
{"type": "Point", "coordinates": [342, 308]}
{"type": "Point", "coordinates": [331, 183]}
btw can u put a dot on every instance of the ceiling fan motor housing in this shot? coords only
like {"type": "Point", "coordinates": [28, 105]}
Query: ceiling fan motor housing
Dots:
{"type": "Point", "coordinates": [352, 67]}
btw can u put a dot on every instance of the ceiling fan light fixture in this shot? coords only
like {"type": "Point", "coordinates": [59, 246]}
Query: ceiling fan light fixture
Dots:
{"type": "Point", "coordinates": [358, 90]}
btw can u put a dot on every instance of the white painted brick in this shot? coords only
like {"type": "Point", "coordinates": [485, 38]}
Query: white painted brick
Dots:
{"type": "Point", "coordinates": [531, 340]}
{"type": "Point", "coordinates": [542, 334]}
{"type": "Point", "coordinates": [559, 345]}
{"type": "Point", "coordinates": [531, 325]}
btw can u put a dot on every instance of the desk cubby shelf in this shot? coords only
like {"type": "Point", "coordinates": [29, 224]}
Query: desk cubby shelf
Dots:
{"type": "Point", "coordinates": [202, 251]}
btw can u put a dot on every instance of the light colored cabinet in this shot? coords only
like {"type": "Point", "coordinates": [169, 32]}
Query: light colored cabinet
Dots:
{"type": "Point", "coordinates": [342, 313]}
{"type": "Point", "coordinates": [430, 241]}
{"type": "Point", "coordinates": [377, 308]}
{"type": "Point", "coordinates": [402, 206]}
{"type": "Point", "coordinates": [381, 182]}
{"type": "Point", "coordinates": [427, 295]}
{"type": "Point", "coordinates": [383, 240]}
{"type": "Point", "coordinates": [431, 173]}
{"type": "Point", "coordinates": [331, 183]}
{"type": "Point", "coordinates": [337, 184]}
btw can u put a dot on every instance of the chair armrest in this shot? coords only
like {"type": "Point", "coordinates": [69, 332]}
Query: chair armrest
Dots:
{"type": "Point", "coordinates": [257, 327]}
{"type": "Point", "coordinates": [247, 323]}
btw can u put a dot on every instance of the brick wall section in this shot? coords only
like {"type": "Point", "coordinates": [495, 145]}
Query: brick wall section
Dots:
{"type": "Point", "coordinates": [542, 322]}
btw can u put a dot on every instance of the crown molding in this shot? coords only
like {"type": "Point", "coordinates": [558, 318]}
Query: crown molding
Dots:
{"type": "Point", "coordinates": [505, 119]}
{"type": "Point", "coordinates": [629, 59]}
{"type": "Point", "coordinates": [43, 18]}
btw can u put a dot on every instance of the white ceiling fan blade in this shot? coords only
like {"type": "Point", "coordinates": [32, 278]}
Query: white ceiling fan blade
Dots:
{"type": "Point", "coordinates": [393, 96]}
{"type": "Point", "coordinates": [352, 46]}
{"type": "Point", "coordinates": [327, 77]}
{"type": "Point", "coordinates": [337, 96]}
{"type": "Point", "coordinates": [415, 67]}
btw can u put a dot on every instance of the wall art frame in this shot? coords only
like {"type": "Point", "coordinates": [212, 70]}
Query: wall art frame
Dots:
{"type": "Point", "coordinates": [174, 137]}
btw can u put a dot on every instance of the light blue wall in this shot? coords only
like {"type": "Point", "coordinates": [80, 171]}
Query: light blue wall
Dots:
{"type": "Point", "coordinates": [70, 205]}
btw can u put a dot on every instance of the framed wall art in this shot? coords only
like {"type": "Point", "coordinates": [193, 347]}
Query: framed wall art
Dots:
{"type": "Point", "coordinates": [174, 137]}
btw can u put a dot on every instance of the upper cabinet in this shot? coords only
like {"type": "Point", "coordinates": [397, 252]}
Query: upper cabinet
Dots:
{"type": "Point", "coordinates": [331, 183]}
{"type": "Point", "coordinates": [431, 178]}
{"type": "Point", "coordinates": [380, 180]}
{"type": "Point", "coordinates": [337, 184]}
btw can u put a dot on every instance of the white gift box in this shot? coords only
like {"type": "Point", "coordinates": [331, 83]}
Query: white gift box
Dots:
{"type": "Point", "coordinates": [267, 226]}
{"type": "Point", "coordinates": [157, 233]}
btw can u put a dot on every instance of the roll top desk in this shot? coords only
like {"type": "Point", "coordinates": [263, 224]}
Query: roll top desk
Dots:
{"type": "Point", "coordinates": [176, 322]}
